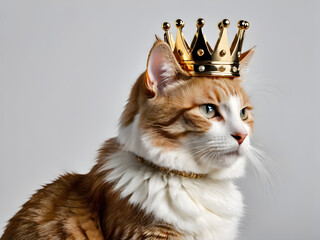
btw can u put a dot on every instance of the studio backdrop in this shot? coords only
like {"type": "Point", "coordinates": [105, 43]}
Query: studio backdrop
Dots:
{"type": "Point", "coordinates": [67, 67]}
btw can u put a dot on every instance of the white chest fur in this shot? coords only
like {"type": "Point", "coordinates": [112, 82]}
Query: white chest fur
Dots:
{"type": "Point", "coordinates": [200, 208]}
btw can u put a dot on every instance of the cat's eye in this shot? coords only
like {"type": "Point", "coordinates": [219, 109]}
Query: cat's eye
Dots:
{"type": "Point", "coordinates": [208, 110]}
{"type": "Point", "coordinates": [244, 114]}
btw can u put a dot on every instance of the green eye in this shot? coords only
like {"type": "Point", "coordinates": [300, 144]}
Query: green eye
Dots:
{"type": "Point", "coordinates": [244, 114]}
{"type": "Point", "coordinates": [208, 110]}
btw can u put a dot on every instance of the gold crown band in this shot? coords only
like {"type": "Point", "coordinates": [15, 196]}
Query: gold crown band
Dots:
{"type": "Point", "coordinates": [199, 58]}
{"type": "Point", "coordinates": [170, 171]}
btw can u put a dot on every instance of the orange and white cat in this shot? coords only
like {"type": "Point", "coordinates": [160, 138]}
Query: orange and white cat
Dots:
{"type": "Point", "coordinates": [167, 175]}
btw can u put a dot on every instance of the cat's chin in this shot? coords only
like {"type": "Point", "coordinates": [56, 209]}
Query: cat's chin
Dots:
{"type": "Point", "coordinates": [227, 167]}
{"type": "Point", "coordinates": [225, 160]}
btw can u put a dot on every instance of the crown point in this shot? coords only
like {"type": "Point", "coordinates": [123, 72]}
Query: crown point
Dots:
{"type": "Point", "coordinates": [243, 24]}
{"type": "Point", "coordinates": [200, 22]}
{"type": "Point", "coordinates": [166, 26]}
{"type": "Point", "coordinates": [179, 23]}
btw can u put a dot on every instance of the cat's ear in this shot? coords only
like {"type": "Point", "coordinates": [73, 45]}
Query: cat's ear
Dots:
{"type": "Point", "coordinates": [162, 68]}
{"type": "Point", "coordinates": [245, 59]}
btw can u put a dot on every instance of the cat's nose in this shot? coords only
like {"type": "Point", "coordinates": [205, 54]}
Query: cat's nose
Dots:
{"type": "Point", "coordinates": [239, 137]}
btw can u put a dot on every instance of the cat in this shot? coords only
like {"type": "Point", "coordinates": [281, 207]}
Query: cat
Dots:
{"type": "Point", "coordinates": [167, 175]}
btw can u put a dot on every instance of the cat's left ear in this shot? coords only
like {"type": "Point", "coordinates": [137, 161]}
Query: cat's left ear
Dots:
{"type": "Point", "coordinates": [162, 68]}
{"type": "Point", "coordinates": [245, 59]}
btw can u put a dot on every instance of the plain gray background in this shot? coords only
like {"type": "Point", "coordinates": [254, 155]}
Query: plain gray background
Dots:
{"type": "Point", "coordinates": [67, 66]}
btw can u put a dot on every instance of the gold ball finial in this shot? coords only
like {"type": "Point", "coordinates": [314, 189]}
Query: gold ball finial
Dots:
{"type": "Point", "coordinates": [179, 23]}
{"type": "Point", "coordinates": [200, 22]}
{"type": "Point", "coordinates": [166, 26]}
{"type": "Point", "coordinates": [225, 23]}
{"type": "Point", "coordinates": [243, 24]}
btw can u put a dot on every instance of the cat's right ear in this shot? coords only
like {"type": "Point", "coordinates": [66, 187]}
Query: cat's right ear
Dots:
{"type": "Point", "coordinates": [244, 60]}
{"type": "Point", "coordinates": [162, 68]}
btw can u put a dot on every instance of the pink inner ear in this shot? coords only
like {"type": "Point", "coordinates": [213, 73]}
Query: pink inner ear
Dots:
{"type": "Point", "coordinates": [155, 70]}
{"type": "Point", "coordinates": [161, 68]}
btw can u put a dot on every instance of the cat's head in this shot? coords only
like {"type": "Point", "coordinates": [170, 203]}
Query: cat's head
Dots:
{"type": "Point", "coordinates": [198, 124]}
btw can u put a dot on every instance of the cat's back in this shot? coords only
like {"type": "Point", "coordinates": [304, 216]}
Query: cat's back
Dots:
{"type": "Point", "coordinates": [60, 210]}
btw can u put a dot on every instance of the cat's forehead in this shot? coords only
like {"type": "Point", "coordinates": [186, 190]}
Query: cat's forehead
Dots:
{"type": "Point", "coordinates": [218, 91]}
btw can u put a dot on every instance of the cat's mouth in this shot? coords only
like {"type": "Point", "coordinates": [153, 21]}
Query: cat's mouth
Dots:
{"type": "Point", "coordinates": [233, 153]}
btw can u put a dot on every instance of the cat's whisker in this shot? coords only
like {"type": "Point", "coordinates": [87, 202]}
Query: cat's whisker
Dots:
{"type": "Point", "coordinates": [264, 168]}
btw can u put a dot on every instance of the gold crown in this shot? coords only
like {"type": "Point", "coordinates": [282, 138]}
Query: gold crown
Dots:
{"type": "Point", "coordinates": [199, 58]}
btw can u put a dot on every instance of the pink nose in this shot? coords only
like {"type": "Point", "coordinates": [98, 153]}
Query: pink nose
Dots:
{"type": "Point", "coordinates": [239, 137]}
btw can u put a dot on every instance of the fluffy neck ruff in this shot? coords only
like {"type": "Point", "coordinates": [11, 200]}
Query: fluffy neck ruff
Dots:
{"type": "Point", "coordinates": [198, 208]}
